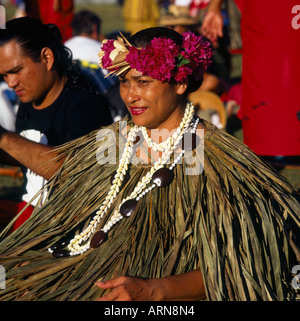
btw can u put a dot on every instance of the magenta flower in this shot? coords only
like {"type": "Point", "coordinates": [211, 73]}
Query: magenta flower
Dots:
{"type": "Point", "coordinates": [156, 60]}
{"type": "Point", "coordinates": [107, 48]}
{"type": "Point", "coordinates": [162, 59]}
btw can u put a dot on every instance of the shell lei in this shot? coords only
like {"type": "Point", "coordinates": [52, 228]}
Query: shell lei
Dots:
{"type": "Point", "coordinates": [167, 148]}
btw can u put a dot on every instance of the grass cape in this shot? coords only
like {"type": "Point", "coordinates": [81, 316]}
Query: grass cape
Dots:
{"type": "Point", "coordinates": [237, 221]}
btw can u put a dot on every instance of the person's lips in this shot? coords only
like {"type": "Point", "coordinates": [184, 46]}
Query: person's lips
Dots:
{"type": "Point", "coordinates": [137, 110]}
{"type": "Point", "coordinates": [19, 92]}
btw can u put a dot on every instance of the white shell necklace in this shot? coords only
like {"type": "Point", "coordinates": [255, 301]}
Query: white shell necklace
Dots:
{"type": "Point", "coordinates": [88, 238]}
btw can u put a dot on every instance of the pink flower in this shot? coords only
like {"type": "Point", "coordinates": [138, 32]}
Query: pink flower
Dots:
{"type": "Point", "coordinates": [182, 73]}
{"type": "Point", "coordinates": [156, 60]}
{"type": "Point", "coordinates": [162, 59]}
{"type": "Point", "coordinates": [107, 48]}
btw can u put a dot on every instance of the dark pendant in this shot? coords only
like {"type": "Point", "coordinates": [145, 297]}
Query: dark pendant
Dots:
{"type": "Point", "coordinates": [128, 207]}
{"type": "Point", "coordinates": [163, 177]}
{"type": "Point", "coordinates": [98, 239]}
{"type": "Point", "coordinates": [125, 179]}
{"type": "Point", "coordinates": [190, 141]}
{"type": "Point", "coordinates": [58, 246]}
{"type": "Point", "coordinates": [61, 253]}
{"type": "Point", "coordinates": [138, 139]}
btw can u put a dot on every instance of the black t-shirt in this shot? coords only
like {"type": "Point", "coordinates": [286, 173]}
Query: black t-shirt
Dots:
{"type": "Point", "coordinates": [74, 113]}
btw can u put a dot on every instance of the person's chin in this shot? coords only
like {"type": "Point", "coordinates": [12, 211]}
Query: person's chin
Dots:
{"type": "Point", "coordinates": [23, 97]}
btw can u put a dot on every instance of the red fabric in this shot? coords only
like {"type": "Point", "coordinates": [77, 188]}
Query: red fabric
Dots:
{"type": "Point", "coordinates": [196, 6]}
{"type": "Point", "coordinates": [270, 77]}
{"type": "Point", "coordinates": [239, 4]}
{"type": "Point", "coordinates": [62, 18]}
{"type": "Point", "coordinates": [235, 93]}
{"type": "Point", "coordinates": [24, 216]}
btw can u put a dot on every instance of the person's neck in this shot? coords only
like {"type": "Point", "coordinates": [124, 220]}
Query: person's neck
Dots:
{"type": "Point", "coordinates": [50, 97]}
{"type": "Point", "coordinates": [167, 128]}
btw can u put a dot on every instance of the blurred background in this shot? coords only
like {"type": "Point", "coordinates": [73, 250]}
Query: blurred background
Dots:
{"type": "Point", "coordinates": [110, 11]}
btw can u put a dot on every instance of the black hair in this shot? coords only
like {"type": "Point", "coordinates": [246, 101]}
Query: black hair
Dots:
{"type": "Point", "coordinates": [32, 36]}
{"type": "Point", "coordinates": [84, 22]}
{"type": "Point", "coordinates": [143, 37]}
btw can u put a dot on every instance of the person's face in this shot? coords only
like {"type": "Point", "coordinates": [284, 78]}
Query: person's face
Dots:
{"type": "Point", "coordinates": [151, 103]}
{"type": "Point", "coordinates": [30, 80]}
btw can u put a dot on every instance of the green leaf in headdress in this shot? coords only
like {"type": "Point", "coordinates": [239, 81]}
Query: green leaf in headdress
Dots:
{"type": "Point", "coordinates": [182, 61]}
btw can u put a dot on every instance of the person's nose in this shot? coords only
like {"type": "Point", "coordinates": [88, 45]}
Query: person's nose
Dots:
{"type": "Point", "coordinates": [12, 81]}
{"type": "Point", "coordinates": [132, 95]}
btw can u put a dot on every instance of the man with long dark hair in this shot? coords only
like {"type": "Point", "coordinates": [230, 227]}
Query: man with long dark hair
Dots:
{"type": "Point", "coordinates": [57, 104]}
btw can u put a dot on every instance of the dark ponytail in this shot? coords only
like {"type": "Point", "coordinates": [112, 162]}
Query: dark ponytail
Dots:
{"type": "Point", "coordinates": [32, 36]}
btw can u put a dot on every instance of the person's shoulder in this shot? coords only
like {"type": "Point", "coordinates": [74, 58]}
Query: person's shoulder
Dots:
{"type": "Point", "coordinates": [79, 92]}
{"type": "Point", "coordinates": [85, 100]}
{"type": "Point", "coordinates": [78, 99]}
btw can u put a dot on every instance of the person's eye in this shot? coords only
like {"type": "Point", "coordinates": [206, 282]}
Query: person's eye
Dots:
{"type": "Point", "coordinates": [143, 82]}
{"type": "Point", "coordinates": [123, 81]}
{"type": "Point", "coordinates": [15, 71]}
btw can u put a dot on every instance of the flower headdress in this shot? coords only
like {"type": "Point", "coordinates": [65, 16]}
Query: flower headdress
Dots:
{"type": "Point", "coordinates": [162, 59]}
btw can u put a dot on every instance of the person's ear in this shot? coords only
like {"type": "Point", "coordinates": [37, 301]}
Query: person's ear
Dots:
{"type": "Point", "coordinates": [181, 88]}
{"type": "Point", "coordinates": [48, 57]}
